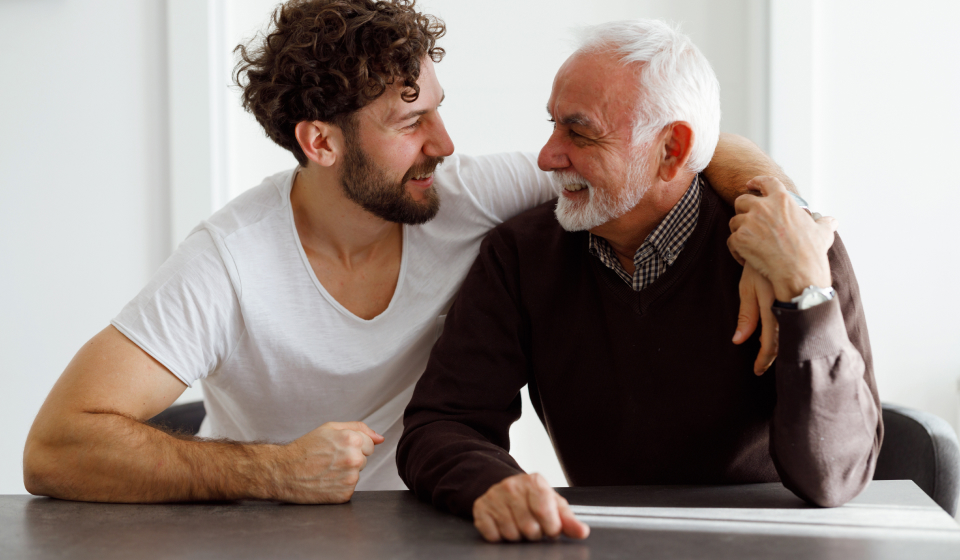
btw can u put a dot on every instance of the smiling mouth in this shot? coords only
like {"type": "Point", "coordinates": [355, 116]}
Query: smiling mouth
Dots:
{"type": "Point", "coordinates": [574, 187]}
{"type": "Point", "coordinates": [423, 177]}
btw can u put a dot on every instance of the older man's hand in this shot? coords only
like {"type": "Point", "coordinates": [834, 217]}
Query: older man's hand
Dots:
{"type": "Point", "coordinates": [524, 506]}
{"type": "Point", "coordinates": [756, 302]}
{"type": "Point", "coordinates": [775, 236]}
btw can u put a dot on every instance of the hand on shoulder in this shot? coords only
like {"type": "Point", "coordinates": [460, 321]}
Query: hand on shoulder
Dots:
{"type": "Point", "coordinates": [780, 240]}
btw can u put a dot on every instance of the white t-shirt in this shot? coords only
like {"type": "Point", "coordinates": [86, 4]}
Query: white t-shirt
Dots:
{"type": "Point", "coordinates": [238, 305]}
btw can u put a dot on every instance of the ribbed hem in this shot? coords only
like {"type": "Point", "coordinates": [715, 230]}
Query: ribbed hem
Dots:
{"type": "Point", "coordinates": [812, 333]}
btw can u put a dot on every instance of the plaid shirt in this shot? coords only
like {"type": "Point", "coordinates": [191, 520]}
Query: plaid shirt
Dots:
{"type": "Point", "coordinates": [661, 248]}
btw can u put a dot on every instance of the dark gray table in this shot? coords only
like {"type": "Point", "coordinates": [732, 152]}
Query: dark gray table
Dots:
{"type": "Point", "coordinates": [891, 519]}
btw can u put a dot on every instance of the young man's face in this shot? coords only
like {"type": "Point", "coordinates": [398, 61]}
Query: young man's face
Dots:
{"type": "Point", "coordinates": [391, 154]}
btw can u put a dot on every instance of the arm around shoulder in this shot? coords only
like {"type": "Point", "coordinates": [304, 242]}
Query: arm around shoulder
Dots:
{"type": "Point", "coordinates": [737, 160]}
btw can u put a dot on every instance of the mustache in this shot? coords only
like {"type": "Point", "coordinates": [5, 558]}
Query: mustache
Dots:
{"type": "Point", "coordinates": [429, 165]}
{"type": "Point", "coordinates": [568, 178]}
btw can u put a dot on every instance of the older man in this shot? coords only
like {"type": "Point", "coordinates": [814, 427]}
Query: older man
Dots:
{"type": "Point", "coordinates": [614, 305]}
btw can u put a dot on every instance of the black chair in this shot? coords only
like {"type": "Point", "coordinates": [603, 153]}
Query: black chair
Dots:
{"type": "Point", "coordinates": [181, 418]}
{"type": "Point", "coordinates": [921, 447]}
{"type": "Point", "coordinates": [917, 446]}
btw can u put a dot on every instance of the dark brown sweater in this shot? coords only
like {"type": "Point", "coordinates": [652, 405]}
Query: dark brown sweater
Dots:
{"type": "Point", "coordinates": [639, 388]}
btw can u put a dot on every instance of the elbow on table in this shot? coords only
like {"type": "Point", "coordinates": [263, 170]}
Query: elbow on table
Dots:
{"type": "Point", "coordinates": [832, 490]}
{"type": "Point", "coordinates": [42, 473]}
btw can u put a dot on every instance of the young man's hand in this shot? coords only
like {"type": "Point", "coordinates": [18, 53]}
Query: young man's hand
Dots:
{"type": "Point", "coordinates": [324, 465]}
{"type": "Point", "coordinates": [524, 506]}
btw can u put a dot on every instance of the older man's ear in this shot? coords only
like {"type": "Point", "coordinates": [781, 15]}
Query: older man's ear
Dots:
{"type": "Point", "coordinates": [676, 142]}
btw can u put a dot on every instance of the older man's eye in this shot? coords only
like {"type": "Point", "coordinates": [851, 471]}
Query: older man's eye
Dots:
{"type": "Point", "coordinates": [413, 126]}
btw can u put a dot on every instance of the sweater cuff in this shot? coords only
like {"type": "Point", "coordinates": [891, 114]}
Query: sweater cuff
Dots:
{"type": "Point", "coordinates": [461, 501]}
{"type": "Point", "coordinates": [812, 333]}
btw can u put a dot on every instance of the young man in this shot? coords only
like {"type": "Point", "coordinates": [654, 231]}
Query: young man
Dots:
{"type": "Point", "coordinates": [309, 304]}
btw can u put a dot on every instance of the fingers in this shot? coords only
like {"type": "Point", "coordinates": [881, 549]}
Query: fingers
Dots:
{"type": "Point", "coordinates": [766, 185]}
{"type": "Point", "coordinates": [572, 527]}
{"type": "Point", "coordinates": [828, 227]}
{"type": "Point", "coordinates": [542, 502]}
{"type": "Point", "coordinates": [769, 341]}
{"type": "Point", "coordinates": [525, 507]}
{"type": "Point", "coordinates": [357, 427]}
{"type": "Point", "coordinates": [749, 307]}
{"type": "Point", "coordinates": [731, 242]}
{"type": "Point", "coordinates": [487, 526]}
{"type": "Point", "coordinates": [770, 328]}
{"type": "Point", "coordinates": [524, 520]}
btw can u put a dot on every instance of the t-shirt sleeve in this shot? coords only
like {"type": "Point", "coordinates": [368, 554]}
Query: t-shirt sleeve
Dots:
{"type": "Point", "coordinates": [506, 184]}
{"type": "Point", "coordinates": [188, 316]}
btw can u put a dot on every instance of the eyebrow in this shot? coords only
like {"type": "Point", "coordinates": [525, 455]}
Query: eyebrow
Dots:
{"type": "Point", "coordinates": [413, 114]}
{"type": "Point", "coordinates": [574, 119]}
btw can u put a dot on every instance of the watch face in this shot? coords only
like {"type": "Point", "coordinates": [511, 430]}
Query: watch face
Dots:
{"type": "Point", "coordinates": [814, 296]}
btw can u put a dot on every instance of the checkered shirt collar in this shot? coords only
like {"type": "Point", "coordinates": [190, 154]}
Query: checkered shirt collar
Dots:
{"type": "Point", "coordinates": [661, 247]}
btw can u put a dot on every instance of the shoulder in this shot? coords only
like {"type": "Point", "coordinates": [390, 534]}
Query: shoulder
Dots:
{"type": "Point", "coordinates": [499, 185]}
{"type": "Point", "coordinates": [534, 235]}
{"type": "Point", "coordinates": [254, 205]}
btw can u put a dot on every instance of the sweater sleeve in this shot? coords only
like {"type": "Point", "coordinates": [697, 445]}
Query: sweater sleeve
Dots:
{"type": "Point", "coordinates": [455, 440]}
{"type": "Point", "coordinates": [826, 429]}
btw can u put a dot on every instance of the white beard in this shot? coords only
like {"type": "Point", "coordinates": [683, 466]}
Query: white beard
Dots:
{"type": "Point", "coordinates": [601, 207]}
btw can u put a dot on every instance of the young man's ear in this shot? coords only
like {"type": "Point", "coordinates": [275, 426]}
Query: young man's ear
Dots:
{"type": "Point", "coordinates": [321, 142]}
{"type": "Point", "coordinates": [677, 143]}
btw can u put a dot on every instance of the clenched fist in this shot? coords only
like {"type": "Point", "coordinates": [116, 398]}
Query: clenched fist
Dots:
{"type": "Point", "coordinates": [524, 506]}
{"type": "Point", "coordinates": [323, 466]}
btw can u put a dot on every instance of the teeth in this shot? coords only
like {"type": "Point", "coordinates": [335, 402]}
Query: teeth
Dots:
{"type": "Point", "coordinates": [422, 177]}
{"type": "Point", "coordinates": [575, 188]}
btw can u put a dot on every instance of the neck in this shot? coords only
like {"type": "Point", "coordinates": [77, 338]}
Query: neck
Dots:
{"type": "Point", "coordinates": [334, 226]}
{"type": "Point", "coordinates": [627, 233]}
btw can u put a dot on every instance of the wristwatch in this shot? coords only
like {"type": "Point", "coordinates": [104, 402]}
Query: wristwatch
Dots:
{"type": "Point", "coordinates": [810, 297]}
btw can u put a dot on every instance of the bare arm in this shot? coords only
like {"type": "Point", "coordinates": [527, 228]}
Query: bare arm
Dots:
{"type": "Point", "coordinates": [89, 442]}
{"type": "Point", "coordinates": [736, 161]}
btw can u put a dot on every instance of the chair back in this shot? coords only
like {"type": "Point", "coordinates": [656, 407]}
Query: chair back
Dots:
{"type": "Point", "coordinates": [182, 418]}
{"type": "Point", "coordinates": [921, 447]}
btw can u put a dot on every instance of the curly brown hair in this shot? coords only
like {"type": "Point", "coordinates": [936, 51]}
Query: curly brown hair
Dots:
{"type": "Point", "coordinates": [326, 59]}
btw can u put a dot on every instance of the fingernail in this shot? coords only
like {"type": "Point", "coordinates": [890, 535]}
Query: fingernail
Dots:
{"type": "Point", "coordinates": [736, 336]}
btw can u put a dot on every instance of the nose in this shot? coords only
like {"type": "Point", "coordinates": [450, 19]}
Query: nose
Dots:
{"type": "Point", "coordinates": [439, 143]}
{"type": "Point", "coordinates": [552, 155]}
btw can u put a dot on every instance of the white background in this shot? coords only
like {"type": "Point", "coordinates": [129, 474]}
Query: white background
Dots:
{"type": "Point", "coordinates": [858, 99]}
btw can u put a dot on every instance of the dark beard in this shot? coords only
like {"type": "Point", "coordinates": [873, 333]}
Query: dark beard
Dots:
{"type": "Point", "coordinates": [369, 186]}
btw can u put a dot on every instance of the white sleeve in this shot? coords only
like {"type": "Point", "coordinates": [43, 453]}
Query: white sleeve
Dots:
{"type": "Point", "coordinates": [506, 184]}
{"type": "Point", "coordinates": [188, 316]}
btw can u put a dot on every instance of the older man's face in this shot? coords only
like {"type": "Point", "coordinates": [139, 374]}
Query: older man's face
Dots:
{"type": "Point", "coordinates": [591, 151]}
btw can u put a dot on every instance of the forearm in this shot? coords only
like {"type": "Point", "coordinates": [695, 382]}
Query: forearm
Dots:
{"type": "Point", "coordinates": [457, 425]}
{"type": "Point", "coordinates": [106, 457]}
{"type": "Point", "coordinates": [825, 432]}
{"type": "Point", "coordinates": [736, 161]}
{"type": "Point", "coordinates": [450, 465]}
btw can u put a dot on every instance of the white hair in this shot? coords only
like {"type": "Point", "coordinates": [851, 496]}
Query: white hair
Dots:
{"type": "Point", "coordinates": [676, 81]}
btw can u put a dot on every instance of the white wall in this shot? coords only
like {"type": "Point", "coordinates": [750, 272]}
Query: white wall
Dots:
{"type": "Point", "coordinates": [887, 108]}
{"type": "Point", "coordinates": [84, 211]}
